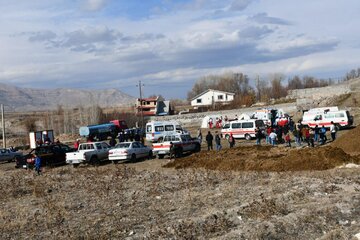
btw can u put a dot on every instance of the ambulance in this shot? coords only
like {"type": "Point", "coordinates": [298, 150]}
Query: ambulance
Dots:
{"type": "Point", "coordinates": [341, 118]}
{"type": "Point", "coordinates": [242, 128]}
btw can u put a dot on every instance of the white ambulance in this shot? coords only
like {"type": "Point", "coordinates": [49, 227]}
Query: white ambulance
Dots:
{"type": "Point", "coordinates": [157, 130]}
{"type": "Point", "coordinates": [341, 118]}
{"type": "Point", "coordinates": [242, 128]}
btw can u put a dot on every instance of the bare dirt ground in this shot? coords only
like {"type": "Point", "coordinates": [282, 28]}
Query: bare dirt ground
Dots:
{"type": "Point", "coordinates": [248, 192]}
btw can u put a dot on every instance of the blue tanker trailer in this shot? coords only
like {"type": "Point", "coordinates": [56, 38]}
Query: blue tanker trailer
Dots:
{"type": "Point", "coordinates": [102, 131]}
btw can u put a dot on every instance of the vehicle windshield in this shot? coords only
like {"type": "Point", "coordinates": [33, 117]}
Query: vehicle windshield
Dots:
{"type": "Point", "coordinates": [123, 145]}
{"type": "Point", "coordinates": [226, 126]}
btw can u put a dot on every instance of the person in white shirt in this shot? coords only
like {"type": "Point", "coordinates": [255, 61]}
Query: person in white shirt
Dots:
{"type": "Point", "coordinates": [333, 130]}
{"type": "Point", "coordinates": [273, 137]}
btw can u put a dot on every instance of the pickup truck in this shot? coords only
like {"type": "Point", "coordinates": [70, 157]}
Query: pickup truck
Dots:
{"type": "Point", "coordinates": [183, 143]}
{"type": "Point", "coordinates": [8, 155]}
{"type": "Point", "coordinates": [91, 152]}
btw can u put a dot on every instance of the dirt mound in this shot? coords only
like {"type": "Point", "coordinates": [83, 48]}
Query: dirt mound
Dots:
{"type": "Point", "coordinates": [349, 142]}
{"type": "Point", "coordinates": [266, 158]}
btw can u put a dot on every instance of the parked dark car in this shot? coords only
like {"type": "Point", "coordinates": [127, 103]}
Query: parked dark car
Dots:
{"type": "Point", "coordinates": [51, 155]}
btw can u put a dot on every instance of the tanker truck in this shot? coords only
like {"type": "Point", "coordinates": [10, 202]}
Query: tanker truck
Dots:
{"type": "Point", "coordinates": [103, 131]}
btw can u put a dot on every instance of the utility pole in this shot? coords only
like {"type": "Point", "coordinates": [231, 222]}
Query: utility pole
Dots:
{"type": "Point", "coordinates": [142, 113]}
{"type": "Point", "coordinates": [3, 126]}
{"type": "Point", "coordinates": [258, 88]}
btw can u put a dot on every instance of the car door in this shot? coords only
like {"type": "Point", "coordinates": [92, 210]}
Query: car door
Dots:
{"type": "Point", "coordinates": [106, 149]}
{"type": "Point", "coordinates": [58, 155]}
{"type": "Point", "coordinates": [4, 155]}
{"type": "Point", "coordinates": [142, 150]}
{"type": "Point", "coordinates": [136, 149]}
{"type": "Point", "coordinates": [45, 155]}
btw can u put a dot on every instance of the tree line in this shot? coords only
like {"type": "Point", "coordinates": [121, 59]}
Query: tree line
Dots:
{"type": "Point", "coordinates": [275, 87]}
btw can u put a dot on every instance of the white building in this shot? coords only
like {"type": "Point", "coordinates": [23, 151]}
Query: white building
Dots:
{"type": "Point", "coordinates": [210, 97]}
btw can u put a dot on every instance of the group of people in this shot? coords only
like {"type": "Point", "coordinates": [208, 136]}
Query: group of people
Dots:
{"type": "Point", "coordinates": [283, 134]}
{"type": "Point", "coordinates": [280, 134]}
{"type": "Point", "coordinates": [210, 139]}
{"type": "Point", "coordinates": [127, 135]}
{"type": "Point", "coordinates": [219, 121]}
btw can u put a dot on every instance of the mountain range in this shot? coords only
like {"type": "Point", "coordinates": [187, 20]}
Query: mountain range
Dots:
{"type": "Point", "coordinates": [29, 99]}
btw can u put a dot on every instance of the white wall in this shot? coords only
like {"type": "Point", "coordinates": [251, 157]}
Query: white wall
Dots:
{"type": "Point", "coordinates": [206, 99]}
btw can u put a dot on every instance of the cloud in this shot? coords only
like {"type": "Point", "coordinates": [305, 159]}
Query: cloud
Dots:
{"type": "Point", "coordinates": [263, 18]}
{"type": "Point", "coordinates": [42, 36]}
{"type": "Point", "coordinates": [239, 5]}
{"type": "Point", "coordinates": [254, 32]}
{"type": "Point", "coordinates": [94, 5]}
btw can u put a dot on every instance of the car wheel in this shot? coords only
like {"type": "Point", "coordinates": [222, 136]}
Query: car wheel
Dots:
{"type": "Point", "coordinates": [161, 156]}
{"type": "Point", "coordinates": [94, 160]}
{"type": "Point", "coordinates": [247, 137]}
{"type": "Point", "coordinates": [150, 155]}
{"type": "Point", "coordinates": [197, 148]}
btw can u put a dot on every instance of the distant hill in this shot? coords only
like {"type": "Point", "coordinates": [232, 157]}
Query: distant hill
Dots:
{"type": "Point", "coordinates": [28, 99]}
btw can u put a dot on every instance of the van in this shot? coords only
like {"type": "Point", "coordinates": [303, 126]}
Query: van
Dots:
{"type": "Point", "coordinates": [156, 131]}
{"type": "Point", "coordinates": [242, 128]}
{"type": "Point", "coordinates": [341, 119]}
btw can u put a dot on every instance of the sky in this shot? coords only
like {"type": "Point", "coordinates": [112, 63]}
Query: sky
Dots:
{"type": "Point", "coordinates": [169, 44]}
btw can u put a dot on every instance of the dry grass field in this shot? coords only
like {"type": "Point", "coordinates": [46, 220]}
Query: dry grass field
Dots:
{"type": "Point", "coordinates": [249, 192]}
{"type": "Point", "coordinates": [241, 193]}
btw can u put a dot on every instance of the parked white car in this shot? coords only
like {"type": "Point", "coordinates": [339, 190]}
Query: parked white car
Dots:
{"type": "Point", "coordinates": [8, 155]}
{"type": "Point", "coordinates": [130, 151]}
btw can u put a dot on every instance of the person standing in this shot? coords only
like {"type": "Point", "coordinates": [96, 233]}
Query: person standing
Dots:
{"type": "Point", "coordinates": [231, 140]}
{"type": "Point", "coordinates": [209, 141]}
{"type": "Point", "coordinates": [112, 142]}
{"type": "Point", "coordinates": [258, 136]}
{"type": "Point", "coordinates": [77, 143]}
{"type": "Point", "coordinates": [218, 141]}
{"type": "Point", "coordinates": [273, 137]}
{"type": "Point", "coordinates": [333, 130]}
{"type": "Point", "coordinates": [288, 140]}
{"type": "Point", "coordinates": [200, 137]}
{"type": "Point", "coordinates": [311, 132]}
{"type": "Point", "coordinates": [210, 123]}
{"type": "Point", "coordinates": [268, 132]}
{"type": "Point", "coordinates": [172, 150]}
{"type": "Point", "coordinates": [37, 163]}
{"type": "Point", "coordinates": [323, 137]}
{"type": "Point", "coordinates": [316, 133]}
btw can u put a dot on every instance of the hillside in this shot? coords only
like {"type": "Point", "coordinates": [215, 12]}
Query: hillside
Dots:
{"type": "Point", "coordinates": [28, 99]}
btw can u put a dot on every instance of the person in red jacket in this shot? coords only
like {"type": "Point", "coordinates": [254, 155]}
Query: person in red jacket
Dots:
{"type": "Point", "coordinates": [77, 143]}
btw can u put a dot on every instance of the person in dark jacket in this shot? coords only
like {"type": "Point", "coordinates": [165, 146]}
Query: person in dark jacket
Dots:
{"type": "Point", "coordinates": [112, 142]}
{"type": "Point", "coordinates": [209, 141]}
{"type": "Point", "coordinates": [218, 141]}
{"type": "Point", "coordinates": [231, 140]}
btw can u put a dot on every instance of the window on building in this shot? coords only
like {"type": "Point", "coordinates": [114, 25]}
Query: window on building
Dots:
{"type": "Point", "coordinates": [220, 97]}
{"type": "Point", "coordinates": [198, 100]}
